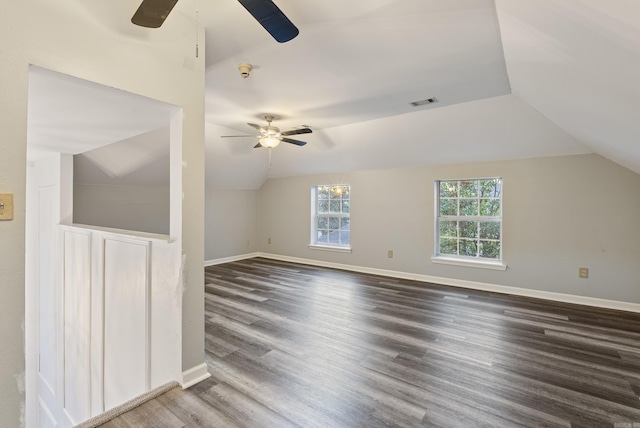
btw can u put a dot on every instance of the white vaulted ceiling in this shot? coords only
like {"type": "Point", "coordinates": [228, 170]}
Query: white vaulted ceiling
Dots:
{"type": "Point", "coordinates": [578, 62]}
{"type": "Point", "coordinates": [70, 115]}
{"type": "Point", "coordinates": [513, 79]}
{"type": "Point", "coordinates": [356, 63]}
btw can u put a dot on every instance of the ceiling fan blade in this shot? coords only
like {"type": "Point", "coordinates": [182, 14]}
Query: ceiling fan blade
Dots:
{"type": "Point", "coordinates": [237, 136]}
{"type": "Point", "coordinates": [298, 131]}
{"type": "Point", "coordinates": [272, 19]}
{"type": "Point", "coordinates": [253, 125]}
{"type": "Point", "coordinates": [292, 141]}
{"type": "Point", "coordinates": [152, 13]}
{"type": "Point", "coordinates": [257, 146]}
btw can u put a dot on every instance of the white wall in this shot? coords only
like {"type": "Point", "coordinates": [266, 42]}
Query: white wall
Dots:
{"type": "Point", "coordinates": [95, 41]}
{"type": "Point", "coordinates": [141, 208]}
{"type": "Point", "coordinates": [560, 213]}
{"type": "Point", "coordinates": [231, 227]}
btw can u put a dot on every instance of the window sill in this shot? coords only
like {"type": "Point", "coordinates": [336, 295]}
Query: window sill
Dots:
{"type": "Point", "coordinates": [330, 248]}
{"type": "Point", "coordinates": [469, 263]}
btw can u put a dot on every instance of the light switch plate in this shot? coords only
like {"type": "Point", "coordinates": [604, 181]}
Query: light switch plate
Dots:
{"type": "Point", "coordinates": [6, 206]}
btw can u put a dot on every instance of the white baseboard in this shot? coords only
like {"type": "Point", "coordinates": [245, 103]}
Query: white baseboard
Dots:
{"type": "Point", "coordinates": [503, 289]}
{"type": "Point", "coordinates": [194, 375]}
{"type": "Point", "coordinates": [230, 259]}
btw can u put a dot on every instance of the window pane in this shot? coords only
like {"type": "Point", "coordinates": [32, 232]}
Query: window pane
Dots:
{"type": "Point", "coordinates": [490, 188]}
{"type": "Point", "coordinates": [334, 237]}
{"type": "Point", "coordinates": [468, 189]}
{"type": "Point", "coordinates": [490, 249]}
{"type": "Point", "coordinates": [344, 223]}
{"type": "Point", "coordinates": [336, 192]}
{"type": "Point", "coordinates": [344, 237]}
{"type": "Point", "coordinates": [323, 236]}
{"type": "Point", "coordinates": [448, 246]}
{"type": "Point", "coordinates": [490, 207]}
{"type": "Point", "coordinates": [345, 192]}
{"type": "Point", "coordinates": [346, 206]}
{"type": "Point", "coordinates": [322, 223]}
{"type": "Point", "coordinates": [334, 206]}
{"type": "Point", "coordinates": [334, 222]}
{"type": "Point", "coordinates": [323, 206]}
{"type": "Point", "coordinates": [468, 207]}
{"type": "Point", "coordinates": [323, 192]}
{"type": "Point", "coordinates": [449, 207]}
{"type": "Point", "coordinates": [448, 228]}
{"type": "Point", "coordinates": [468, 248]}
{"type": "Point", "coordinates": [448, 189]}
{"type": "Point", "coordinates": [490, 230]}
{"type": "Point", "coordinates": [468, 229]}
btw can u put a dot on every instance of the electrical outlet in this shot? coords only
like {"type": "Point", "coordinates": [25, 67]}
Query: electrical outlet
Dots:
{"type": "Point", "coordinates": [390, 254]}
{"type": "Point", "coordinates": [583, 272]}
{"type": "Point", "coordinates": [6, 206]}
{"type": "Point", "coordinates": [269, 241]}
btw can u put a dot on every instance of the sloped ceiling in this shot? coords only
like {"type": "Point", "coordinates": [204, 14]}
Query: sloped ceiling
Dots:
{"type": "Point", "coordinates": [142, 160]}
{"type": "Point", "coordinates": [497, 128]}
{"type": "Point", "coordinates": [350, 64]}
{"type": "Point", "coordinates": [351, 75]}
{"type": "Point", "coordinates": [71, 115]}
{"type": "Point", "coordinates": [578, 63]}
{"type": "Point", "coordinates": [513, 79]}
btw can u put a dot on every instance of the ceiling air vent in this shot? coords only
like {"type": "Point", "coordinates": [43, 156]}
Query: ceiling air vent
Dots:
{"type": "Point", "coordinates": [424, 102]}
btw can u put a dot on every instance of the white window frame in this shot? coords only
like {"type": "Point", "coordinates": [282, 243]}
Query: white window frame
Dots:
{"type": "Point", "coordinates": [315, 214]}
{"type": "Point", "coordinates": [462, 260]}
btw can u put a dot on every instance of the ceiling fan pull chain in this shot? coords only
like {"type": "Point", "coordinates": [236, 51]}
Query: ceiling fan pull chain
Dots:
{"type": "Point", "coordinates": [197, 26]}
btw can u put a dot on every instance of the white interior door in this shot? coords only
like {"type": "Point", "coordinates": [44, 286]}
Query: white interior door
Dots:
{"type": "Point", "coordinates": [49, 184]}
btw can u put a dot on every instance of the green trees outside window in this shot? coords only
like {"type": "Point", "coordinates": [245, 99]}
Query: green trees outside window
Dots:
{"type": "Point", "coordinates": [469, 218]}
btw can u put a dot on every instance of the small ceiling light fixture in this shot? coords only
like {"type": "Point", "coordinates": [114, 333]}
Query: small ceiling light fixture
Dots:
{"type": "Point", "coordinates": [424, 102]}
{"type": "Point", "coordinates": [245, 70]}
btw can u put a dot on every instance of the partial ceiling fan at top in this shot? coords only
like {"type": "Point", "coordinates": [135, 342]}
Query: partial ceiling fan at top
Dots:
{"type": "Point", "coordinates": [152, 14]}
{"type": "Point", "coordinates": [270, 136]}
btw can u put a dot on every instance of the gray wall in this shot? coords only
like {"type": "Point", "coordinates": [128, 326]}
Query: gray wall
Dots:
{"type": "Point", "coordinates": [560, 213]}
{"type": "Point", "coordinates": [141, 208]}
{"type": "Point", "coordinates": [232, 222]}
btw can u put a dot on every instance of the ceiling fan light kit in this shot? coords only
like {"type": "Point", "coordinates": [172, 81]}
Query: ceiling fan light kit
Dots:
{"type": "Point", "coordinates": [269, 142]}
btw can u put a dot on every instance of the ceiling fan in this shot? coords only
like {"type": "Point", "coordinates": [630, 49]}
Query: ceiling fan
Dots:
{"type": "Point", "coordinates": [270, 136]}
{"type": "Point", "coordinates": [152, 14]}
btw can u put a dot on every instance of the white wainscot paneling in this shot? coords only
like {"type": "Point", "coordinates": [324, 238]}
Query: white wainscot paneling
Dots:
{"type": "Point", "coordinates": [126, 315]}
{"type": "Point", "coordinates": [106, 308]}
{"type": "Point", "coordinates": [77, 324]}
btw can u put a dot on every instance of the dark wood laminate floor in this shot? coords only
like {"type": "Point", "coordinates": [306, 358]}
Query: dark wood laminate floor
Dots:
{"type": "Point", "coordinates": [298, 346]}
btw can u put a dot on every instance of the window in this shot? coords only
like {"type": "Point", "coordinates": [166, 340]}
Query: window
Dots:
{"type": "Point", "coordinates": [330, 222]}
{"type": "Point", "coordinates": [469, 219]}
